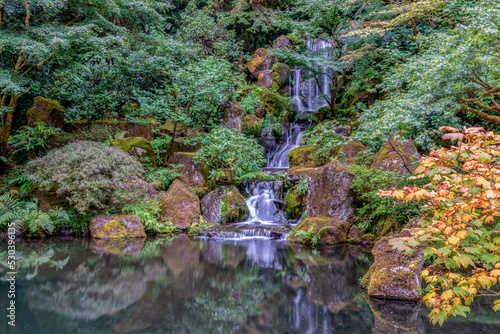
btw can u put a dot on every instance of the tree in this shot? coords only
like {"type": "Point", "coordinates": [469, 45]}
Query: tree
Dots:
{"type": "Point", "coordinates": [460, 229]}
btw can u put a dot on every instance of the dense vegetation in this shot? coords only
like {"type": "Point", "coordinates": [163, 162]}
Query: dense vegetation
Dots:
{"type": "Point", "coordinates": [182, 71]}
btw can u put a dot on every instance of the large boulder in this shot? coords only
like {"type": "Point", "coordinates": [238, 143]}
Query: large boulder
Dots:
{"type": "Point", "coordinates": [232, 116]}
{"type": "Point", "coordinates": [192, 175]}
{"type": "Point", "coordinates": [331, 230]}
{"type": "Point", "coordinates": [261, 61]}
{"type": "Point", "coordinates": [329, 192]}
{"type": "Point", "coordinates": [301, 156]}
{"type": "Point", "coordinates": [136, 146]}
{"type": "Point", "coordinates": [280, 74]}
{"type": "Point", "coordinates": [180, 206]}
{"type": "Point", "coordinates": [46, 111]}
{"type": "Point", "coordinates": [397, 156]}
{"type": "Point", "coordinates": [349, 151]}
{"type": "Point", "coordinates": [116, 227]}
{"type": "Point", "coordinates": [275, 104]}
{"type": "Point", "coordinates": [394, 275]}
{"type": "Point", "coordinates": [224, 205]}
{"type": "Point", "coordinates": [264, 79]}
{"type": "Point", "coordinates": [282, 42]}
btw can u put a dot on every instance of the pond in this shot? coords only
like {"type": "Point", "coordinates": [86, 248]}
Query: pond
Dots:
{"type": "Point", "coordinates": [182, 285]}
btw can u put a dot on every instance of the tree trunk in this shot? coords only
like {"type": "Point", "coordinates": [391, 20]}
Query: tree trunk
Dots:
{"type": "Point", "coordinates": [170, 150]}
{"type": "Point", "coordinates": [6, 121]}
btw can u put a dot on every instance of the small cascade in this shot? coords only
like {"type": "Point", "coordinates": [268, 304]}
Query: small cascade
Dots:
{"type": "Point", "coordinates": [262, 202]}
{"type": "Point", "coordinates": [293, 137]}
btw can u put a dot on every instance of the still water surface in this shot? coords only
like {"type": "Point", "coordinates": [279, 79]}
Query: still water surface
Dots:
{"type": "Point", "coordinates": [207, 286]}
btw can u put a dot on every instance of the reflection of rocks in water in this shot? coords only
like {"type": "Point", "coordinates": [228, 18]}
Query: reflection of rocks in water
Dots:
{"type": "Point", "coordinates": [329, 286]}
{"type": "Point", "coordinates": [396, 317]}
{"type": "Point", "coordinates": [130, 325]}
{"type": "Point", "coordinates": [183, 259]}
{"type": "Point", "coordinates": [117, 246]}
{"type": "Point", "coordinates": [87, 296]}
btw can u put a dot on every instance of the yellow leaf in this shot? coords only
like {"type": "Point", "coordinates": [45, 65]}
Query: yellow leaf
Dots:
{"type": "Point", "coordinates": [497, 265]}
{"type": "Point", "coordinates": [456, 301]}
{"type": "Point", "coordinates": [495, 273]}
{"type": "Point", "coordinates": [453, 240]}
{"type": "Point", "coordinates": [461, 234]}
{"type": "Point", "coordinates": [447, 294]}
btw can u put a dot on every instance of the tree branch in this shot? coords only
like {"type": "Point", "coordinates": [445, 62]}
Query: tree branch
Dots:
{"type": "Point", "coordinates": [39, 64]}
{"type": "Point", "coordinates": [28, 14]}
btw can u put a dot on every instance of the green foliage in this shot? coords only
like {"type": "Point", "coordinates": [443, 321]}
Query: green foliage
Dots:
{"type": "Point", "coordinates": [149, 213]}
{"type": "Point", "coordinates": [25, 215]}
{"type": "Point", "coordinates": [272, 124]}
{"type": "Point", "coordinates": [91, 175]}
{"type": "Point", "coordinates": [373, 211]}
{"type": "Point", "coordinates": [18, 178]}
{"type": "Point", "coordinates": [310, 237]}
{"type": "Point", "coordinates": [165, 176]}
{"type": "Point", "coordinates": [250, 100]}
{"type": "Point", "coordinates": [302, 186]}
{"type": "Point", "coordinates": [30, 142]}
{"type": "Point", "coordinates": [224, 148]}
{"type": "Point", "coordinates": [197, 227]}
{"type": "Point", "coordinates": [326, 141]}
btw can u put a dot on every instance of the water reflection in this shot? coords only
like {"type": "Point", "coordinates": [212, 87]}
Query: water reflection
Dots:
{"type": "Point", "coordinates": [205, 286]}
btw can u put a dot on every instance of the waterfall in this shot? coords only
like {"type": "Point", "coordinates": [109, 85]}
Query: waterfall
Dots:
{"type": "Point", "coordinates": [306, 97]}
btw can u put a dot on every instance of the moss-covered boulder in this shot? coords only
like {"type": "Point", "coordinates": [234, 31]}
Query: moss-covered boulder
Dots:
{"type": "Point", "coordinates": [329, 190]}
{"type": "Point", "coordinates": [394, 275]}
{"type": "Point", "coordinates": [280, 74]}
{"type": "Point", "coordinates": [265, 79]}
{"type": "Point", "coordinates": [276, 104]}
{"type": "Point", "coordinates": [295, 204]}
{"type": "Point", "coordinates": [116, 227]}
{"type": "Point", "coordinates": [282, 42]}
{"type": "Point", "coordinates": [232, 116]}
{"type": "Point", "coordinates": [192, 174]}
{"type": "Point", "coordinates": [261, 61]}
{"type": "Point", "coordinates": [180, 206]}
{"type": "Point", "coordinates": [331, 230]}
{"type": "Point", "coordinates": [252, 125]}
{"type": "Point", "coordinates": [136, 146]}
{"type": "Point", "coordinates": [397, 156]}
{"type": "Point", "coordinates": [46, 111]}
{"type": "Point", "coordinates": [301, 156]}
{"type": "Point", "coordinates": [349, 151]}
{"type": "Point", "coordinates": [224, 205]}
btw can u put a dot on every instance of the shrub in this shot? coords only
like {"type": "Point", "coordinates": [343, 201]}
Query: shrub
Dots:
{"type": "Point", "coordinates": [29, 142]}
{"type": "Point", "coordinates": [91, 175]}
{"type": "Point", "coordinates": [224, 148]}
{"type": "Point", "coordinates": [165, 176]}
{"type": "Point", "coordinates": [149, 213]}
{"type": "Point", "coordinates": [326, 141]}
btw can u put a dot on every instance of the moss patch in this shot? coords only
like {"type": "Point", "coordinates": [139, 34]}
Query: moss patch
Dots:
{"type": "Point", "coordinates": [46, 111]}
{"type": "Point", "coordinates": [116, 227]}
{"type": "Point", "coordinates": [332, 231]}
{"type": "Point", "coordinates": [136, 146]}
{"type": "Point", "coordinates": [280, 73]}
{"type": "Point", "coordinates": [301, 156]}
{"type": "Point", "coordinates": [252, 125]}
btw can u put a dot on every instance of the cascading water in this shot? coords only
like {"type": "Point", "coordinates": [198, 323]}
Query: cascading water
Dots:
{"type": "Point", "coordinates": [307, 97]}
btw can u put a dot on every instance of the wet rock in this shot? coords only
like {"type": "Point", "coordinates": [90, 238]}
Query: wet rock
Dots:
{"type": "Point", "coordinates": [224, 205]}
{"type": "Point", "coordinates": [395, 317]}
{"type": "Point", "coordinates": [230, 231]}
{"type": "Point", "coordinates": [331, 231]}
{"type": "Point", "coordinates": [117, 246]}
{"type": "Point", "coordinates": [329, 192]}
{"type": "Point", "coordinates": [192, 175]}
{"type": "Point", "coordinates": [116, 227]}
{"type": "Point", "coordinates": [350, 151]}
{"type": "Point", "coordinates": [261, 61]}
{"type": "Point", "coordinates": [46, 111]}
{"type": "Point", "coordinates": [301, 156]}
{"type": "Point", "coordinates": [136, 146]}
{"type": "Point", "coordinates": [280, 74]}
{"type": "Point", "coordinates": [394, 275]}
{"type": "Point", "coordinates": [180, 206]}
{"type": "Point", "coordinates": [232, 116]}
{"type": "Point", "coordinates": [397, 156]}
{"type": "Point", "coordinates": [282, 42]}
{"type": "Point", "coordinates": [264, 79]}
{"type": "Point", "coordinates": [354, 235]}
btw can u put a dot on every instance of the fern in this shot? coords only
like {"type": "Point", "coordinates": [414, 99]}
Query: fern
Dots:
{"type": "Point", "coordinates": [310, 237]}
{"type": "Point", "coordinates": [149, 213]}
{"type": "Point", "coordinates": [302, 187]}
{"type": "Point", "coordinates": [164, 175]}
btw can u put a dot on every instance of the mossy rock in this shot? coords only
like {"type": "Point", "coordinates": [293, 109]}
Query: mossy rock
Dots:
{"type": "Point", "coordinates": [282, 42]}
{"type": "Point", "coordinates": [116, 227]}
{"type": "Point", "coordinates": [252, 125]}
{"type": "Point", "coordinates": [348, 152]}
{"type": "Point", "coordinates": [265, 79]}
{"type": "Point", "coordinates": [280, 74]}
{"type": "Point", "coordinates": [276, 104]}
{"type": "Point", "coordinates": [397, 156]}
{"type": "Point", "coordinates": [301, 157]}
{"type": "Point", "coordinates": [192, 174]}
{"type": "Point", "coordinates": [136, 146]}
{"type": "Point", "coordinates": [46, 111]}
{"type": "Point", "coordinates": [331, 231]}
{"type": "Point", "coordinates": [180, 206]}
{"type": "Point", "coordinates": [295, 204]}
{"type": "Point", "coordinates": [262, 60]}
{"type": "Point", "coordinates": [394, 275]}
{"type": "Point", "coordinates": [223, 205]}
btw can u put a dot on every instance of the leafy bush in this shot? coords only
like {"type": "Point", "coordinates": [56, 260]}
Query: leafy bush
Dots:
{"type": "Point", "coordinates": [91, 175]}
{"type": "Point", "coordinates": [326, 141]}
{"type": "Point", "coordinates": [17, 177]}
{"type": "Point", "coordinates": [373, 210]}
{"type": "Point", "coordinates": [165, 176]}
{"type": "Point", "coordinates": [460, 227]}
{"type": "Point", "coordinates": [224, 148]}
{"type": "Point", "coordinates": [272, 124]}
{"type": "Point", "coordinates": [26, 216]}
{"type": "Point", "coordinates": [149, 213]}
{"type": "Point", "coordinates": [29, 142]}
